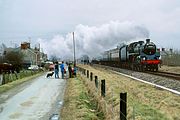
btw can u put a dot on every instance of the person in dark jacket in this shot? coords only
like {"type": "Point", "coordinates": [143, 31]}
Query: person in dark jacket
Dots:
{"type": "Point", "coordinates": [56, 70]}
{"type": "Point", "coordinates": [70, 70]}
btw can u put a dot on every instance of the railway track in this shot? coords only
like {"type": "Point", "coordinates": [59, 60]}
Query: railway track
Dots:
{"type": "Point", "coordinates": [174, 76]}
{"type": "Point", "coordinates": [165, 79]}
{"type": "Point", "coordinates": [166, 74]}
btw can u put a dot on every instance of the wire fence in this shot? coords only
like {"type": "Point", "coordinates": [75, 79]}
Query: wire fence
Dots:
{"type": "Point", "coordinates": [100, 93]}
{"type": "Point", "coordinates": [121, 101]}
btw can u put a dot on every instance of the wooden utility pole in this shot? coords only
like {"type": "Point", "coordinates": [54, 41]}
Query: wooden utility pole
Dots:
{"type": "Point", "coordinates": [74, 51]}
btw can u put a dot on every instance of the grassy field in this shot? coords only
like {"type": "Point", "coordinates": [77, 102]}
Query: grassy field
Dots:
{"type": "Point", "coordinates": [171, 69]}
{"type": "Point", "coordinates": [144, 102]}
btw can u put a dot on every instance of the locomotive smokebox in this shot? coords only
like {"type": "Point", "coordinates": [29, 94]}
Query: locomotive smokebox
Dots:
{"type": "Point", "coordinates": [147, 40]}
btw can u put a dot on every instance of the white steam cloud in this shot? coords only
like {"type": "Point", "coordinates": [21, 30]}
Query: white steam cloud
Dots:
{"type": "Point", "coordinates": [94, 40]}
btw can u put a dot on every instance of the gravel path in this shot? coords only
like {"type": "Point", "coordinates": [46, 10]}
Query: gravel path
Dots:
{"type": "Point", "coordinates": [35, 100]}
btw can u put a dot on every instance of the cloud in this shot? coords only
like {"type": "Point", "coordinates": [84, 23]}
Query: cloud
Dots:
{"type": "Point", "coordinates": [93, 40]}
{"type": "Point", "coordinates": [26, 18]}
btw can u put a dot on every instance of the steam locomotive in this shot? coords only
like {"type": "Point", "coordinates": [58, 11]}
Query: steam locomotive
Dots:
{"type": "Point", "coordinates": [138, 56]}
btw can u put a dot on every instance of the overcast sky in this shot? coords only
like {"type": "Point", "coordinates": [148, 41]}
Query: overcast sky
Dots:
{"type": "Point", "coordinates": [52, 21]}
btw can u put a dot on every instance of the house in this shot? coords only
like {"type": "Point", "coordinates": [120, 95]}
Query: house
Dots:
{"type": "Point", "coordinates": [30, 56]}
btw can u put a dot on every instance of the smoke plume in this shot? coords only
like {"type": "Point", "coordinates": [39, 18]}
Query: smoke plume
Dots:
{"type": "Point", "coordinates": [93, 40]}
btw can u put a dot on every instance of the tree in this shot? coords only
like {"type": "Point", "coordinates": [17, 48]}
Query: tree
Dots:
{"type": "Point", "coordinates": [14, 58]}
{"type": "Point", "coordinates": [54, 58]}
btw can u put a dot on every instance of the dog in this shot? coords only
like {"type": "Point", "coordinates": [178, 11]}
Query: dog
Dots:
{"type": "Point", "coordinates": [49, 75]}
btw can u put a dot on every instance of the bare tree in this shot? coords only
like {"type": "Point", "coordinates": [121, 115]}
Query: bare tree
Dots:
{"type": "Point", "coordinates": [173, 58]}
{"type": "Point", "coordinates": [14, 58]}
{"type": "Point", "coordinates": [54, 58]}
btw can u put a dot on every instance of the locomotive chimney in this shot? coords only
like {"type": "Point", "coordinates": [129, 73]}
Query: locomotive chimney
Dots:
{"type": "Point", "coordinates": [163, 49]}
{"type": "Point", "coordinates": [171, 50]}
{"type": "Point", "coordinates": [147, 40]}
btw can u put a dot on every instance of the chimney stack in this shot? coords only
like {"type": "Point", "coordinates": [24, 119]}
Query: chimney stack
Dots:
{"type": "Point", "coordinates": [148, 40]}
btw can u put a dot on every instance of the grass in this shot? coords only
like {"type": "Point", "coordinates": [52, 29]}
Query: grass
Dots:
{"type": "Point", "coordinates": [144, 102]}
{"type": "Point", "coordinates": [24, 76]}
{"type": "Point", "coordinates": [78, 103]}
{"type": "Point", "coordinates": [147, 112]}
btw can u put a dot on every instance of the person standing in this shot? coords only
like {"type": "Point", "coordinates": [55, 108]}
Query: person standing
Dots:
{"type": "Point", "coordinates": [56, 70]}
{"type": "Point", "coordinates": [70, 70]}
{"type": "Point", "coordinates": [62, 69]}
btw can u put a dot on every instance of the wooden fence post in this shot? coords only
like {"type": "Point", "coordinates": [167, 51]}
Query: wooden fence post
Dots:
{"type": "Point", "coordinates": [103, 88]}
{"type": "Point", "coordinates": [123, 106]}
{"type": "Point", "coordinates": [91, 76]}
{"type": "Point", "coordinates": [84, 71]}
{"type": "Point", "coordinates": [96, 81]}
{"type": "Point", "coordinates": [4, 79]}
{"type": "Point", "coordinates": [87, 73]}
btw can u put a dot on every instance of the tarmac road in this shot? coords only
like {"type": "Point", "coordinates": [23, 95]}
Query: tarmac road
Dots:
{"type": "Point", "coordinates": [34, 100]}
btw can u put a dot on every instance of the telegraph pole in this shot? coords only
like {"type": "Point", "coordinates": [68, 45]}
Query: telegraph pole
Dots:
{"type": "Point", "coordinates": [74, 51]}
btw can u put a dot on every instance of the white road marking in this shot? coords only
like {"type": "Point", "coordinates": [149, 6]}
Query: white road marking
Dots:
{"type": "Point", "coordinates": [159, 86]}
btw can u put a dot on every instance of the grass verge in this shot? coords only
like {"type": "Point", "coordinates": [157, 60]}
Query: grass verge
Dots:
{"type": "Point", "coordinates": [78, 103]}
{"type": "Point", "coordinates": [10, 85]}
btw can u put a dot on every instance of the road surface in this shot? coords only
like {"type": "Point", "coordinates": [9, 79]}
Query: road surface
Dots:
{"type": "Point", "coordinates": [37, 99]}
